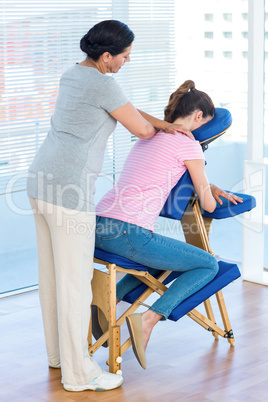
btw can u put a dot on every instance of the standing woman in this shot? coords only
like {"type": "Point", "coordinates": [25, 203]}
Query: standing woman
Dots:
{"type": "Point", "coordinates": [60, 186]}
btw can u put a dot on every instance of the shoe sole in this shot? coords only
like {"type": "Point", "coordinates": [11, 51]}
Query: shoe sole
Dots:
{"type": "Point", "coordinates": [80, 388]}
{"type": "Point", "coordinates": [132, 337]}
{"type": "Point", "coordinates": [84, 389]}
{"type": "Point", "coordinates": [96, 328]}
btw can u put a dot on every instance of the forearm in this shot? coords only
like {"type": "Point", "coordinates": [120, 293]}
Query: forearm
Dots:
{"type": "Point", "coordinates": [157, 123]}
{"type": "Point", "coordinates": [171, 128]}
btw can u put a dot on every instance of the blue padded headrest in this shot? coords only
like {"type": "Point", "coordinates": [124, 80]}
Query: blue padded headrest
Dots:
{"type": "Point", "coordinates": [218, 125]}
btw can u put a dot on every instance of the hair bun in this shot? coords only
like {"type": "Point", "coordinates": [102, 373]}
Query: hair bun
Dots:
{"type": "Point", "coordinates": [107, 36]}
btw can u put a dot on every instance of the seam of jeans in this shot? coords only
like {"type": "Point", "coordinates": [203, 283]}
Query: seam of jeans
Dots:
{"type": "Point", "coordinates": [132, 250]}
{"type": "Point", "coordinates": [111, 237]}
{"type": "Point", "coordinates": [145, 232]}
{"type": "Point", "coordinates": [106, 226]}
{"type": "Point", "coordinates": [155, 310]}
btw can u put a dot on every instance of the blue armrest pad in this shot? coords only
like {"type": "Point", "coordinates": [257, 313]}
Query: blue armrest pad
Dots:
{"type": "Point", "coordinates": [228, 209]}
{"type": "Point", "coordinates": [181, 193]}
{"type": "Point", "coordinates": [227, 273]}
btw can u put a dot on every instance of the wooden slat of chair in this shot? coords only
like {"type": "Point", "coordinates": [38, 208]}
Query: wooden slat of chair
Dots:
{"type": "Point", "coordinates": [104, 297]}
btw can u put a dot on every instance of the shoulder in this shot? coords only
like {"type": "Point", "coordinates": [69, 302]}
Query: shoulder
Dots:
{"type": "Point", "coordinates": [182, 146]}
{"type": "Point", "coordinates": [179, 139]}
{"type": "Point", "coordinates": [111, 83]}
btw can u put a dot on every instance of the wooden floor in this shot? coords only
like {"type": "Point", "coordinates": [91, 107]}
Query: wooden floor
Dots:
{"type": "Point", "coordinates": [184, 362]}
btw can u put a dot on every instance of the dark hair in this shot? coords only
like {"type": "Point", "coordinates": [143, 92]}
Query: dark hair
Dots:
{"type": "Point", "coordinates": [107, 36]}
{"type": "Point", "coordinates": [186, 100]}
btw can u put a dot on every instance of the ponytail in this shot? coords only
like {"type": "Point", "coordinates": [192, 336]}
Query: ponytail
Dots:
{"type": "Point", "coordinates": [186, 100]}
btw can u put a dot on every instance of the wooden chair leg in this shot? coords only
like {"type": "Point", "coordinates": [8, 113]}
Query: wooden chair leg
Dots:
{"type": "Point", "coordinates": [225, 318]}
{"type": "Point", "coordinates": [100, 289]}
{"type": "Point", "coordinates": [114, 330]}
{"type": "Point", "coordinates": [211, 316]}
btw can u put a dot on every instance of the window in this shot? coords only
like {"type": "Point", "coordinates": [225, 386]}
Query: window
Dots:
{"type": "Point", "coordinates": [220, 68]}
{"type": "Point", "coordinates": [209, 54]}
{"type": "Point", "coordinates": [228, 55]}
{"type": "Point", "coordinates": [38, 41]}
{"type": "Point", "coordinates": [209, 17]}
{"type": "Point", "coordinates": [228, 17]}
{"type": "Point", "coordinates": [209, 35]}
{"type": "Point", "coordinates": [228, 35]}
{"type": "Point", "coordinates": [265, 82]}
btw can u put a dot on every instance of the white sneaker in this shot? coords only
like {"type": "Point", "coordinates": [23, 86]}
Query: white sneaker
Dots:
{"type": "Point", "coordinates": [104, 382]}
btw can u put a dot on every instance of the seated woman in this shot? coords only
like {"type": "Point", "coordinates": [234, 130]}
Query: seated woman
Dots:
{"type": "Point", "coordinates": [126, 215]}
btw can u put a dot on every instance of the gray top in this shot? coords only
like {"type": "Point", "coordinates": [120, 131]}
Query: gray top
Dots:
{"type": "Point", "coordinates": [68, 162]}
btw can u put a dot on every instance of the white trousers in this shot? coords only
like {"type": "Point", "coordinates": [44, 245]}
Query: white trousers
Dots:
{"type": "Point", "coordinates": [66, 241]}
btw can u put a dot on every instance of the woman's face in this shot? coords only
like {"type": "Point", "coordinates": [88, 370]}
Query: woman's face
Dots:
{"type": "Point", "coordinates": [119, 60]}
{"type": "Point", "coordinates": [199, 120]}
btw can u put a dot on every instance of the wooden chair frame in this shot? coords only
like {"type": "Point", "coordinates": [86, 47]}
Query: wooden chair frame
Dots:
{"type": "Point", "coordinates": [104, 293]}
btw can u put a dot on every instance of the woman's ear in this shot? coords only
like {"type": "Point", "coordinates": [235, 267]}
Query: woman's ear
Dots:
{"type": "Point", "coordinates": [198, 116]}
{"type": "Point", "coordinates": [106, 57]}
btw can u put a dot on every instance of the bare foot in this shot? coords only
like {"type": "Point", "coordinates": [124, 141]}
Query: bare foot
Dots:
{"type": "Point", "coordinates": [149, 319]}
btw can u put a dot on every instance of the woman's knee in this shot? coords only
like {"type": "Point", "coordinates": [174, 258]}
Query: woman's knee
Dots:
{"type": "Point", "coordinates": [214, 266]}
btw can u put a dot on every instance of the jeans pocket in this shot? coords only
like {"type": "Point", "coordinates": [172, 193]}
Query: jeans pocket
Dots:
{"type": "Point", "coordinates": [118, 244]}
{"type": "Point", "coordinates": [109, 228]}
{"type": "Point", "coordinates": [147, 236]}
{"type": "Point", "coordinates": [146, 232]}
{"type": "Point", "coordinates": [112, 236]}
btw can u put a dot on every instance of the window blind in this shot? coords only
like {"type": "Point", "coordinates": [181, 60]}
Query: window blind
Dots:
{"type": "Point", "coordinates": [39, 40]}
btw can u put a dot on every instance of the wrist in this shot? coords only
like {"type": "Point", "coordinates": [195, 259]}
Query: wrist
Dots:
{"type": "Point", "coordinates": [163, 125]}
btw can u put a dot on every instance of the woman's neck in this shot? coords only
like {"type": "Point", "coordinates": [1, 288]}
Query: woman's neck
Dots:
{"type": "Point", "coordinates": [185, 121]}
{"type": "Point", "coordinates": [95, 64]}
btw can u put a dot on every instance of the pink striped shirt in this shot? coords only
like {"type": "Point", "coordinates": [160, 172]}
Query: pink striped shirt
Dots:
{"type": "Point", "coordinates": [151, 170]}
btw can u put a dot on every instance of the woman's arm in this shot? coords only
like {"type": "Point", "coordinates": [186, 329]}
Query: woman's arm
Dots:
{"type": "Point", "coordinates": [133, 121]}
{"type": "Point", "coordinates": [197, 172]}
{"type": "Point", "coordinates": [165, 126]}
{"type": "Point", "coordinates": [208, 193]}
{"type": "Point", "coordinates": [144, 125]}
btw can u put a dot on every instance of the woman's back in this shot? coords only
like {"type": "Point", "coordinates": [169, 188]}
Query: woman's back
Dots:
{"type": "Point", "coordinates": [151, 170]}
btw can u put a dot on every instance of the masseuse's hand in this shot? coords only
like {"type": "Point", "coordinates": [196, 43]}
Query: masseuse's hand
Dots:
{"type": "Point", "coordinates": [174, 128]}
{"type": "Point", "coordinates": [218, 192]}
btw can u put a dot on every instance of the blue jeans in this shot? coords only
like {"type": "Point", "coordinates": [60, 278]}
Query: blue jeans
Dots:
{"type": "Point", "coordinates": [157, 253]}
